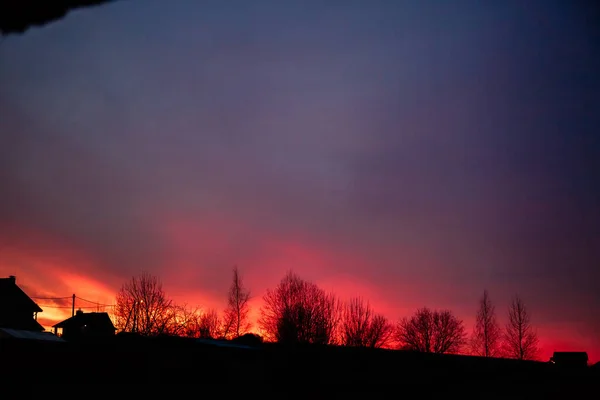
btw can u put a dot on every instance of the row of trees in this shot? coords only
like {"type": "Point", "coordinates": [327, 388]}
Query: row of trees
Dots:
{"type": "Point", "coordinates": [142, 307]}
{"type": "Point", "coordinates": [441, 332]}
{"type": "Point", "coordinates": [299, 311]}
{"type": "Point", "coordinates": [518, 339]}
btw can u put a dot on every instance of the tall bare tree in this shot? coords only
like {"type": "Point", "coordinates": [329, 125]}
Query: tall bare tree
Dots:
{"type": "Point", "coordinates": [520, 339]}
{"type": "Point", "coordinates": [236, 314]}
{"type": "Point", "coordinates": [431, 332]}
{"type": "Point", "coordinates": [297, 311]}
{"type": "Point", "coordinates": [361, 327]}
{"type": "Point", "coordinates": [142, 306]}
{"type": "Point", "coordinates": [486, 336]}
{"type": "Point", "coordinates": [209, 325]}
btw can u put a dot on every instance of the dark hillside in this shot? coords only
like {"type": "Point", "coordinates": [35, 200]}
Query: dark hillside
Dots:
{"type": "Point", "coordinates": [152, 363]}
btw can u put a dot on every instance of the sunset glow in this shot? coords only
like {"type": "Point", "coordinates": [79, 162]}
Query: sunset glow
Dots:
{"type": "Point", "coordinates": [48, 280]}
{"type": "Point", "coordinates": [407, 154]}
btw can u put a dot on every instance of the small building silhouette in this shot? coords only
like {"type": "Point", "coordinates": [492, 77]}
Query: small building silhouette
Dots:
{"type": "Point", "coordinates": [571, 359]}
{"type": "Point", "coordinates": [85, 326]}
{"type": "Point", "coordinates": [17, 310]}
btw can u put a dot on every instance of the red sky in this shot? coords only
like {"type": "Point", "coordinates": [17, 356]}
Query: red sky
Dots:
{"type": "Point", "coordinates": [410, 154]}
{"type": "Point", "coordinates": [47, 268]}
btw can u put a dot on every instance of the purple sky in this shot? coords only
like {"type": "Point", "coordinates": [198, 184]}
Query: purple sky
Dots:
{"type": "Point", "coordinates": [421, 151]}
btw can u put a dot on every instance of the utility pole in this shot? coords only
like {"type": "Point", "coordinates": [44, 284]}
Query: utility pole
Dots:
{"type": "Point", "coordinates": [73, 306]}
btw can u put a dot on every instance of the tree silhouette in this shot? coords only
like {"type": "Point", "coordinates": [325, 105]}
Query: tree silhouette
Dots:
{"type": "Point", "coordinates": [297, 311]}
{"type": "Point", "coordinates": [142, 306]}
{"type": "Point", "coordinates": [486, 336]}
{"type": "Point", "coordinates": [520, 339]}
{"type": "Point", "coordinates": [209, 325]}
{"type": "Point", "coordinates": [361, 327]}
{"type": "Point", "coordinates": [236, 314]}
{"type": "Point", "coordinates": [184, 321]}
{"type": "Point", "coordinates": [431, 332]}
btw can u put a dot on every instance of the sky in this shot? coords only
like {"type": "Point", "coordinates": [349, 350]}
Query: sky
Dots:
{"type": "Point", "coordinates": [413, 153]}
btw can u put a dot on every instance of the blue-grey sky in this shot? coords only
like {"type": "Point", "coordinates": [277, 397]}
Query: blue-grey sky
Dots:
{"type": "Point", "coordinates": [414, 152]}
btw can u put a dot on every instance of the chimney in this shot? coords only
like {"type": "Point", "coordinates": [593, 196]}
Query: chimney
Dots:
{"type": "Point", "coordinates": [13, 279]}
{"type": "Point", "coordinates": [79, 312]}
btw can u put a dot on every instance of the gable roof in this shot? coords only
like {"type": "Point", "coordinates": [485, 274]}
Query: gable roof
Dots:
{"type": "Point", "coordinates": [93, 319]}
{"type": "Point", "coordinates": [14, 297]}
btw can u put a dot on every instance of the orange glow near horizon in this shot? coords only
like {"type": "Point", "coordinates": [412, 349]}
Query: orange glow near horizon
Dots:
{"type": "Point", "coordinates": [58, 277]}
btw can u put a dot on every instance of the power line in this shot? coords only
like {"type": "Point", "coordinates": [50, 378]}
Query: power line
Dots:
{"type": "Point", "coordinates": [87, 307]}
{"type": "Point", "coordinates": [96, 305]}
{"type": "Point", "coordinates": [95, 302]}
{"type": "Point", "coordinates": [48, 306]}
{"type": "Point", "coordinates": [50, 298]}
{"type": "Point", "coordinates": [69, 298]}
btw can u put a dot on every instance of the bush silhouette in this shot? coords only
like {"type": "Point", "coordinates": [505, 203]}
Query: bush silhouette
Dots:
{"type": "Point", "coordinates": [249, 339]}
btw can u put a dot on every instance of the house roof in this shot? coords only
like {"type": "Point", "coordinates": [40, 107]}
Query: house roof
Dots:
{"type": "Point", "coordinates": [570, 355]}
{"type": "Point", "coordinates": [12, 296]}
{"type": "Point", "coordinates": [94, 319]}
{"type": "Point", "coordinates": [21, 334]}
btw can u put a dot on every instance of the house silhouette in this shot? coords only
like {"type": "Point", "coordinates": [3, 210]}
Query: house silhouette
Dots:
{"type": "Point", "coordinates": [85, 326]}
{"type": "Point", "coordinates": [570, 359]}
{"type": "Point", "coordinates": [17, 310]}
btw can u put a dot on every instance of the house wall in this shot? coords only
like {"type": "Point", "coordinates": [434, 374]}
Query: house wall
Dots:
{"type": "Point", "coordinates": [76, 331]}
{"type": "Point", "coordinates": [15, 319]}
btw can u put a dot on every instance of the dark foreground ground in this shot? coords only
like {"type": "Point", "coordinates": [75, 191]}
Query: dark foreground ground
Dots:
{"type": "Point", "coordinates": [168, 367]}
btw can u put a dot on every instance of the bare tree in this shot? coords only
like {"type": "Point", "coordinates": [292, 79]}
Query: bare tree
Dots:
{"type": "Point", "coordinates": [209, 325]}
{"type": "Point", "coordinates": [298, 311]}
{"type": "Point", "coordinates": [520, 339]}
{"type": "Point", "coordinates": [381, 333]}
{"type": "Point", "coordinates": [236, 314]}
{"type": "Point", "coordinates": [361, 327]}
{"type": "Point", "coordinates": [184, 321]}
{"type": "Point", "coordinates": [431, 332]}
{"type": "Point", "coordinates": [142, 306]}
{"type": "Point", "coordinates": [485, 339]}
